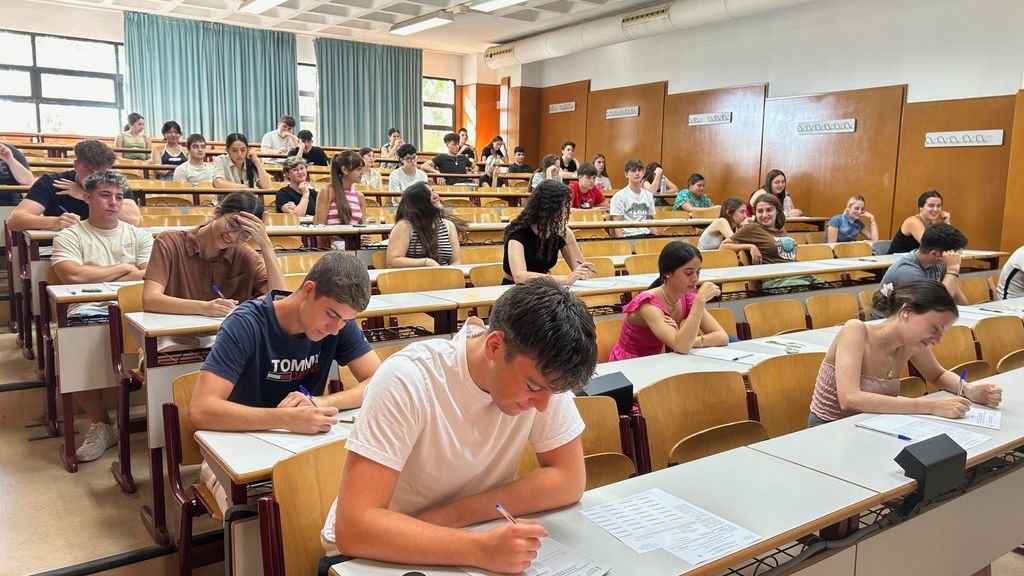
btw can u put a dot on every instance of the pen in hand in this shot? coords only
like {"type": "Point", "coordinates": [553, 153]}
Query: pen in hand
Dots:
{"type": "Point", "coordinates": [221, 296]}
{"type": "Point", "coordinates": [303, 389]}
{"type": "Point", "coordinates": [504, 513]}
{"type": "Point", "coordinates": [963, 378]}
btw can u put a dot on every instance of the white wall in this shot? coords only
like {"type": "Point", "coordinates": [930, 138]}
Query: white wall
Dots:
{"type": "Point", "coordinates": [943, 49]}
{"type": "Point", "coordinates": [442, 65]}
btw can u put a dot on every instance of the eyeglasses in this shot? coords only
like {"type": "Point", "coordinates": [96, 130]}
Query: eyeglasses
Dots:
{"type": "Point", "coordinates": [409, 158]}
{"type": "Point", "coordinates": [235, 227]}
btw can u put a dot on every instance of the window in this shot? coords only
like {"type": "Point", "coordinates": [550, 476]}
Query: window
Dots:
{"type": "Point", "coordinates": [307, 98]}
{"type": "Point", "coordinates": [438, 112]}
{"type": "Point", "coordinates": [57, 84]}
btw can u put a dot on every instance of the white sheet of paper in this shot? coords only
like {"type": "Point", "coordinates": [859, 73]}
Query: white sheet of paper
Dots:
{"type": "Point", "coordinates": [378, 304]}
{"type": "Point", "coordinates": [295, 443]}
{"type": "Point", "coordinates": [730, 355]}
{"type": "Point", "coordinates": [594, 284]}
{"type": "Point", "coordinates": [707, 537]}
{"type": "Point", "coordinates": [918, 429]}
{"type": "Point", "coordinates": [115, 285]}
{"type": "Point", "coordinates": [980, 416]}
{"type": "Point", "coordinates": [784, 343]}
{"type": "Point", "coordinates": [555, 559]}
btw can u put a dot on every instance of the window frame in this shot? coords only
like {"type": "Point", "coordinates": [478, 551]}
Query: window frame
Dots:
{"type": "Point", "coordinates": [427, 104]}
{"type": "Point", "coordinates": [316, 101]}
{"type": "Point", "coordinates": [36, 84]}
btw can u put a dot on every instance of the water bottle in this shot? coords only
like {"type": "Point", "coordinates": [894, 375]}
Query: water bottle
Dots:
{"type": "Point", "coordinates": [663, 186]}
{"type": "Point", "coordinates": [787, 205]}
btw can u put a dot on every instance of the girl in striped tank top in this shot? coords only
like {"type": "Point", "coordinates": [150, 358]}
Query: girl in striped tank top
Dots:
{"type": "Point", "coordinates": [861, 370]}
{"type": "Point", "coordinates": [340, 203]}
{"type": "Point", "coordinates": [424, 234]}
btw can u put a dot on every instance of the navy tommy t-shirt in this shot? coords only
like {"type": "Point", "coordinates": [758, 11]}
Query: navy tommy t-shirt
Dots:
{"type": "Point", "coordinates": [266, 364]}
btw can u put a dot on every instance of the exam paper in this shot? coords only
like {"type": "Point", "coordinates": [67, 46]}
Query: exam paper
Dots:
{"type": "Point", "coordinates": [787, 344]}
{"type": "Point", "coordinates": [115, 285]}
{"type": "Point", "coordinates": [378, 304]}
{"type": "Point", "coordinates": [656, 519]}
{"type": "Point", "coordinates": [555, 559]}
{"type": "Point", "coordinates": [595, 284]}
{"type": "Point", "coordinates": [980, 416]}
{"type": "Point", "coordinates": [729, 354]}
{"type": "Point", "coordinates": [917, 429]}
{"type": "Point", "coordinates": [294, 442]}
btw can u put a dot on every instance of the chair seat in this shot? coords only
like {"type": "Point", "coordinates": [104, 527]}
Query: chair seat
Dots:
{"type": "Point", "coordinates": [207, 499]}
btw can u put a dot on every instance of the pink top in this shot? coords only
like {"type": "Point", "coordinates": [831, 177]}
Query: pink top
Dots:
{"type": "Point", "coordinates": [825, 402]}
{"type": "Point", "coordinates": [353, 201]}
{"type": "Point", "coordinates": [636, 341]}
{"type": "Point", "coordinates": [332, 214]}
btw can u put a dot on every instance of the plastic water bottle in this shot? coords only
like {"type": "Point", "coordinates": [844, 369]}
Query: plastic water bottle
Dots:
{"type": "Point", "coordinates": [787, 205]}
{"type": "Point", "coordinates": [663, 186]}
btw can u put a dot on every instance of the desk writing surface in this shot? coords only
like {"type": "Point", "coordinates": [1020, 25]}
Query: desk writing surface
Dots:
{"type": "Point", "coordinates": [153, 324]}
{"type": "Point", "coordinates": [403, 303]}
{"type": "Point", "coordinates": [645, 371]}
{"type": "Point", "coordinates": [375, 272]}
{"type": "Point", "coordinates": [242, 456]}
{"type": "Point", "coordinates": [471, 297]}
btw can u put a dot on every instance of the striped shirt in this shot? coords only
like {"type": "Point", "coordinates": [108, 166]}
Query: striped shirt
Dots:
{"type": "Point", "coordinates": [353, 201]}
{"type": "Point", "coordinates": [444, 245]}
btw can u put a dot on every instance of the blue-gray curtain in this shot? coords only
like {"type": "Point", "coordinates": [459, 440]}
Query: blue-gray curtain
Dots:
{"type": "Point", "coordinates": [365, 89]}
{"type": "Point", "coordinates": [210, 78]}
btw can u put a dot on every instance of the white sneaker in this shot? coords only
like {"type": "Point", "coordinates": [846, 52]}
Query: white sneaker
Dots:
{"type": "Point", "coordinates": [99, 437]}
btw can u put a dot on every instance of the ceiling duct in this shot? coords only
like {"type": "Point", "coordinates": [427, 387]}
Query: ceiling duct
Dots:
{"type": "Point", "coordinates": [677, 15]}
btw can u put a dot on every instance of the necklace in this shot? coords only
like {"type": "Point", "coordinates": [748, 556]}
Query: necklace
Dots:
{"type": "Point", "coordinates": [672, 306]}
{"type": "Point", "coordinates": [892, 367]}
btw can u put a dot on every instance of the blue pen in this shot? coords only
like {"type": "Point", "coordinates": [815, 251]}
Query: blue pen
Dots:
{"type": "Point", "coordinates": [505, 513]}
{"type": "Point", "coordinates": [63, 210]}
{"type": "Point", "coordinates": [304, 391]}
{"type": "Point", "coordinates": [221, 296]}
{"type": "Point", "coordinates": [963, 378]}
{"type": "Point", "coordinates": [741, 356]}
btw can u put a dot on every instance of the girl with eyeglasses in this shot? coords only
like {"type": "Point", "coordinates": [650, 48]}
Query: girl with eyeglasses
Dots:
{"type": "Point", "coordinates": [406, 174]}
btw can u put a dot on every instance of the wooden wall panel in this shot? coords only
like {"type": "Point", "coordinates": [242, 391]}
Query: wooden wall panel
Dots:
{"type": "Point", "coordinates": [972, 180]}
{"type": "Point", "coordinates": [1013, 232]}
{"type": "Point", "coordinates": [623, 138]}
{"type": "Point", "coordinates": [523, 125]}
{"type": "Point", "coordinates": [559, 127]}
{"type": "Point", "coordinates": [823, 171]}
{"type": "Point", "coordinates": [728, 155]}
{"type": "Point", "coordinates": [476, 109]}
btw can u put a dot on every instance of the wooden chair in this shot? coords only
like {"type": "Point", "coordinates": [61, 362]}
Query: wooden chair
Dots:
{"type": "Point", "coordinates": [476, 215]}
{"type": "Point", "coordinates": [1011, 361]}
{"type": "Point", "coordinates": [481, 254]}
{"type": "Point", "coordinates": [864, 298]}
{"type": "Point", "coordinates": [158, 210]}
{"type": "Point", "coordinates": [607, 468]}
{"type": "Point", "coordinates": [602, 442]}
{"type": "Point", "coordinates": [183, 450]}
{"type": "Point", "coordinates": [678, 406]}
{"type": "Point", "coordinates": [999, 337]}
{"type": "Point", "coordinates": [955, 347]}
{"type": "Point", "coordinates": [718, 439]}
{"type": "Point", "coordinates": [484, 237]}
{"type": "Point", "coordinates": [590, 233]}
{"type": "Point", "coordinates": [711, 212]}
{"type": "Point", "coordinates": [784, 386]}
{"type": "Point", "coordinates": [726, 319]}
{"type": "Point", "coordinates": [280, 219]}
{"type": "Point", "coordinates": [379, 259]}
{"type": "Point", "coordinates": [851, 250]}
{"type": "Point", "coordinates": [305, 486]}
{"type": "Point", "coordinates": [586, 216]}
{"type": "Point", "coordinates": [129, 379]}
{"type": "Point", "coordinates": [816, 237]}
{"type": "Point", "coordinates": [642, 264]}
{"type": "Point", "coordinates": [976, 290]}
{"type": "Point", "coordinates": [292, 282]}
{"type": "Point", "coordinates": [603, 267]}
{"type": "Point", "coordinates": [718, 259]}
{"type": "Point", "coordinates": [650, 245]}
{"type": "Point", "coordinates": [204, 210]}
{"type": "Point", "coordinates": [831, 309]}
{"type": "Point", "coordinates": [607, 335]}
{"type": "Point", "coordinates": [347, 380]}
{"type": "Point", "coordinates": [420, 280]}
{"type": "Point", "coordinates": [486, 275]}
{"type": "Point", "coordinates": [381, 215]}
{"type": "Point", "coordinates": [172, 220]}
{"type": "Point", "coordinates": [808, 252]}
{"type": "Point", "coordinates": [913, 387]}
{"type": "Point", "coordinates": [773, 317]}
{"type": "Point", "coordinates": [299, 263]}
{"type": "Point", "coordinates": [511, 213]}
{"type": "Point", "coordinates": [798, 237]}
{"type": "Point", "coordinates": [606, 248]}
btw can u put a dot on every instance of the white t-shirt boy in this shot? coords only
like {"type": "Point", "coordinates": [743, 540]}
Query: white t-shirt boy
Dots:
{"type": "Point", "coordinates": [633, 207]}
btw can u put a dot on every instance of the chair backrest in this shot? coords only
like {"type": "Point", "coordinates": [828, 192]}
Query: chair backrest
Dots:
{"type": "Point", "coordinates": [999, 336]}
{"type": "Point", "coordinates": [815, 237]}
{"type": "Point", "coordinates": [606, 248]}
{"type": "Point", "coordinates": [129, 299]}
{"type": "Point", "coordinates": [650, 245]}
{"type": "Point", "coordinates": [851, 250]}
{"type": "Point", "coordinates": [298, 263]}
{"type": "Point", "coordinates": [280, 219]}
{"type": "Point", "coordinates": [956, 347]}
{"type": "Point", "coordinates": [784, 386]}
{"type": "Point", "coordinates": [711, 212]}
{"type": "Point", "coordinates": [718, 439]}
{"type": "Point", "coordinates": [379, 259]}
{"type": "Point", "coordinates": [586, 216]}
{"type": "Point", "coordinates": [864, 299]}
{"type": "Point", "coordinates": [603, 267]}
{"type": "Point", "coordinates": [913, 387]}
{"type": "Point", "coordinates": [773, 316]}
{"type": "Point", "coordinates": [1011, 361]}
{"type": "Point", "coordinates": [158, 210]}
{"type": "Point", "coordinates": [305, 485]}
{"type": "Point", "coordinates": [607, 468]}
{"type": "Point", "coordinates": [382, 215]}
{"type": "Point", "coordinates": [292, 282]}
{"type": "Point", "coordinates": [486, 275]}
{"type": "Point", "coordinates": [642, 264]}
{"type": "Point", "coordinates": [718, 259]}
{"type": "Point", "coordinates": [183, 387]}
{"type": "Point", "coordinates": [726, 319]}
{"type": "Point", "coordinates": [831, 309]}
{"type": "Point", "coordinates": [481, 254]}
{"type": "Point", "coordinates": [601, 417]}
{"type": "Point", "coordinates": [420, 280]}
{"type": "Point", "coordinates": [204, 210]}
{"type": "Point", "coordinates": [680, 405]}
{"type": "Point", "coordinates": [976, 290]}
{"type": "Point", "coordinates": [814, 252]}
{"type": "Point", "coordinates": [511, 213]}
{"type": "Point", "coordinates": [607, 335]}
{"type": "Point", "coordinates": [172, 220]}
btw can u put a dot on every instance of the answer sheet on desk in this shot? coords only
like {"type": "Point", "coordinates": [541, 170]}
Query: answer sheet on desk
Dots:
{"type": "Point", "coordinates": [917, 429]}
{"type": "Point", "coordinates": [555, 559]}
{"type": "Point", "coordinates": [595, 284]}
{"type": "Point", "coordinates": [655, 519]}
{"type": "Point", "coordinates": [980, 416]}
{"type": "Point", "coordinates": [729, 354]}
{"type": "Point", "coordinates": [295, 443]}
{"type": "Point", "coordinates": [378, 304]}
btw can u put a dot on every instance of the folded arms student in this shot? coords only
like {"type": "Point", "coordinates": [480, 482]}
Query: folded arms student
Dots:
{"type": "Point", "coordinates": [444, 425]}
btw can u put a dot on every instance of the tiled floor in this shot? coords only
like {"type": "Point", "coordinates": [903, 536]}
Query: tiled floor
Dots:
{"type": "Point", "coordinates": [55, 519]}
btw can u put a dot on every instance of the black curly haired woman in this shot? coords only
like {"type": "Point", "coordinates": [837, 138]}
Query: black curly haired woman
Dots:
{"type": "Point", "coordinates": [534, 239]}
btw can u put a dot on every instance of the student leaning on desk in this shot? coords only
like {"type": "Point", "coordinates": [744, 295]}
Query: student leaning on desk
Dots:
{"type": "Point", "coordinates": [442, 430]}
{"type": "Point", "coordinates": [861, 371]}
{"type": "Point", "coordinates": [270, 352]}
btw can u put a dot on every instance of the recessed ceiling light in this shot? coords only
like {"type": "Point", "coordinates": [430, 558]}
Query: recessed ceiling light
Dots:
{"type": "Point", "coordinates": [422, 23]}
{"type": "Point", "coordinates": [492, 5]}
{"type": "Point", "coordinates": [259, 6]}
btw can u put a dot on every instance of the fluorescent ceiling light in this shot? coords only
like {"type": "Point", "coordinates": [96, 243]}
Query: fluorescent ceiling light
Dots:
{"type": "Point", "coordinates": [492, 5]}
{"type": "Point", "coordinates": [422, 23]}
{"type": "Point", "coordinates": [259, 6]}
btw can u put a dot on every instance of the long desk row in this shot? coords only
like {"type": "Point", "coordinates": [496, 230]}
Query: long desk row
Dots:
{"type": "Point", "coordinates": [781, 489]}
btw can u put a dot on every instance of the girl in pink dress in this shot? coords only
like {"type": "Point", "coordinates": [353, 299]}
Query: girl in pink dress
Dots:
{"type": "Point", "coordinates": [671, 312]}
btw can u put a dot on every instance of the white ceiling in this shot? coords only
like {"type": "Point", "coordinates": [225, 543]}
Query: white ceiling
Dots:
{"type": "Point", "coordinates": [369, 20]}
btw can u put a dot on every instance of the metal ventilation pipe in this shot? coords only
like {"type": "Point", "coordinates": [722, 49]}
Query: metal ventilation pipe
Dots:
{"type": "Point", "coordinates": [677, 15]}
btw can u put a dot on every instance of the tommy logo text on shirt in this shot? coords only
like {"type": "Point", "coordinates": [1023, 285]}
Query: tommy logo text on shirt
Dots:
{"type": "Point", "coordinates": [291, 369]}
